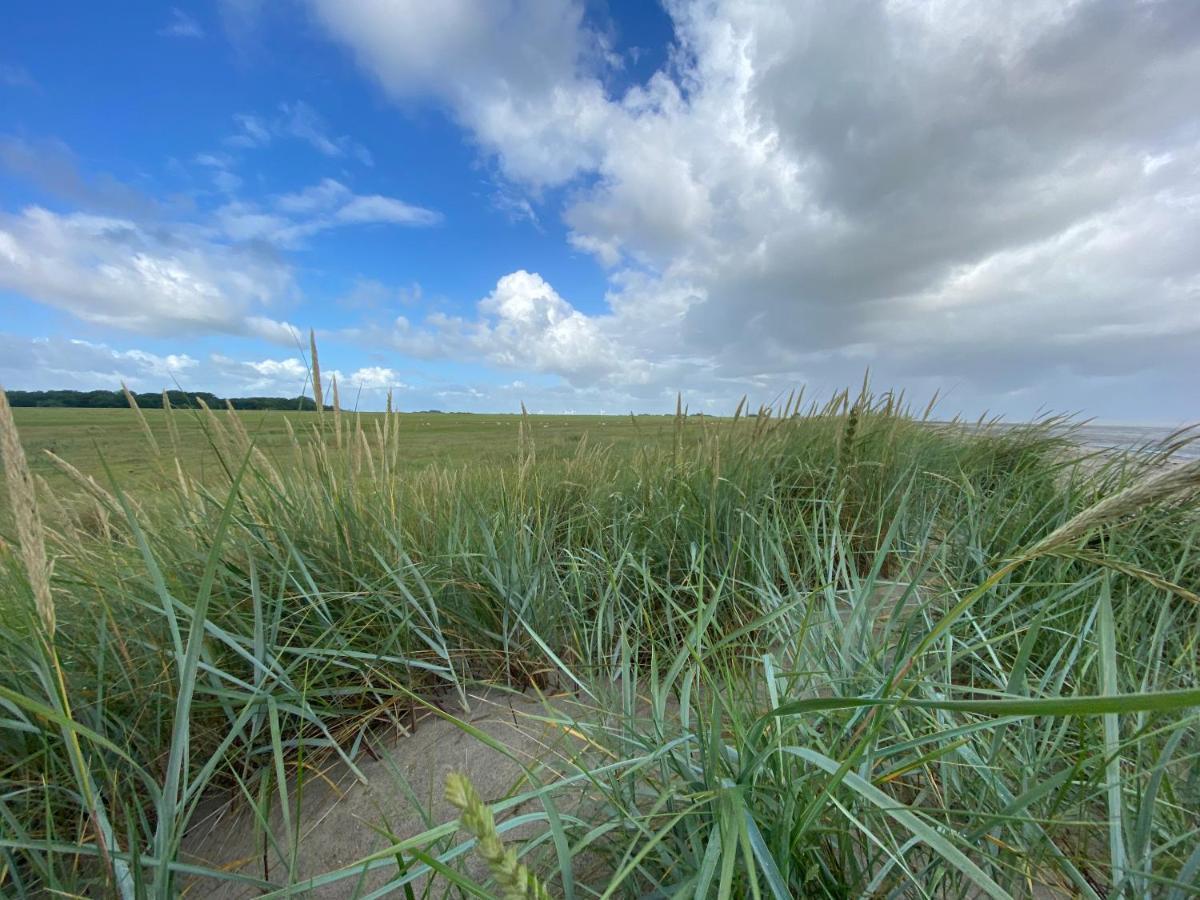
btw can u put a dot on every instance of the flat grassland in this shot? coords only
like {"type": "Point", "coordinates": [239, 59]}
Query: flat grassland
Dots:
{"type": "Point", "coordinates": [834, 654]}
{"type": "Point", "coordinates": [91, 439]}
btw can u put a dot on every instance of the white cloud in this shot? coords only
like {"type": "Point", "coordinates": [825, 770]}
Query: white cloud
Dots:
{"type": "Point", "coordinates": [275, 368]}
{"type": "Point", "coordinates": [524, 323]}
{"type": "Point", "coordinates": [375, 378]}
{"type": "Point", "coordinates": [156, 269]}
{"type": "Point", "coordinates": [59, 363]}
{"type": "Point", "coordinates": [252, 132]}
{"type": "Point", "coordinates": [73, 364]}
{"type": "Point", "coordinates": [168, 366]}
{"type": "Point", "coordinates": [950, 190]}
{"type": "Point", "coordinates": [264, 378]}
{"type": "Point", "coordinates": [289, 219]}
{"type": "Point", "coordinates": [272, 330]}
{"type": "Point", "coordinates": [220, 165]}
{"type": "Point", "coordinates": [518, 78]}
{"type": "Point", "coordinates": [318, 198]}
{"type": "Point", "coordinates": [299, 121]}
{"type": "Point", "coordinates": [375, 208]}
{"type": "Point", "coordinates": [286, 377]}
{"type": "Point", "coordinates": [181, 25]}
{"type": "Point", "coordinates": [113, 272]}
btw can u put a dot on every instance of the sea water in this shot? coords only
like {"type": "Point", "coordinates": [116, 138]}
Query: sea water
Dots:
{"type": "Point", "coordinates": [1131, 437]}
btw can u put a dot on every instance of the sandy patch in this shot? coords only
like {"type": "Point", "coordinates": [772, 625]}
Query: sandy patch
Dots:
{"type": "Point", "coordinates": [342, 820]}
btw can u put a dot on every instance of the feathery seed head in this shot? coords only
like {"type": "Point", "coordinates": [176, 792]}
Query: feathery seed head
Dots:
{"type": "Point", "coordinates": [23, 499]}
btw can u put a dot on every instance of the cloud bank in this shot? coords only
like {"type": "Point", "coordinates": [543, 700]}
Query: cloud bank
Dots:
{"type": "Point", "coordinates": [1004, 197]}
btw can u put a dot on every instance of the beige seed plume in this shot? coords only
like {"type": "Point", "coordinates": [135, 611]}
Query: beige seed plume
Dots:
{"type": "Point", "coordinates": [87, 482]}
{"type": "Point", "coordinates": [1167, 484]}
{"type": "Point", "coordinates": [316, 371]}
{"type": "Point", "coordinates": [29, 525]}
{"type": "Point", "coordinates": [133, 404]}
{"type": "Point", "coordinates": [337, 413]}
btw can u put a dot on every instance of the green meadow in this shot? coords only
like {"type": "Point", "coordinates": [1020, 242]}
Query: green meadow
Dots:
{"type": "Point", "coordinates": [91, 439]}
{"type": "Point", "coordinates": [820, 651]}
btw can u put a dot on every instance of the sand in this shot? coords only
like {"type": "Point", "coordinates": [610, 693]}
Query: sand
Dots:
{"type": "Point", "coordinates": [342, 819]}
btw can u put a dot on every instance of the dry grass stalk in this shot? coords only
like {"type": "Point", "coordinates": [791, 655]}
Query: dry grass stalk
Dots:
{"type": "Point", "coordinates": [220, 438]}
{"type": "Point", "coordinates": [367, 454]}
{"type": "Point", "coordinates": [337, 413]}
{"type": "Point", "coordinates": [525, 439]}
{"type": "Point", "coordinates": [238, 429]}
{"type": "Point", "coordinates": [381, 432]}
{"type": "Point", "coordinates": [58, 512]}
{"type": "Point", "coordinates": [183, 482]}
{"type": "Point", "coordinates": [741, 407]}
{"type": "Point", "coordinates": [23, 500]}
{"type": "Point", "coordinates": [267, 469]}
{"type": "Point", "coordinates": [316, 372]}
{"type": "Point", "coordinates": [133, 404]}
{"type": "Point", "coordinates": [1168, 484]}
{"type": "Point", "coordinates": [357, 445]}
{"type": "Point", "coordinates": [394, 442]}
{"type": "Point", "coordinates": [87, 482]}
{"type": "Point", "coordinates": [172, 430]}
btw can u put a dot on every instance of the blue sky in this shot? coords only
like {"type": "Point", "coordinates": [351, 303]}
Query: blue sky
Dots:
{"type": "Point", "coordinates": [593, 206]}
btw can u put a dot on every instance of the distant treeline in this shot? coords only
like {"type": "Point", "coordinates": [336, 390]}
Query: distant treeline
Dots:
{"type": "Point", "coordinates": [179, 399]}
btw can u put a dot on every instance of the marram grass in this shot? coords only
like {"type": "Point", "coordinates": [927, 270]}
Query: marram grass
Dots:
{"type": "Point", "coordinates": [832, 651]}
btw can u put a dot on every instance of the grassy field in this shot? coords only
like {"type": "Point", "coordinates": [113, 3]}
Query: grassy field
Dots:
{"type": "Point", "coordinates": [89, 439]}
{"type": "Point", "coordinates": [838, 654]}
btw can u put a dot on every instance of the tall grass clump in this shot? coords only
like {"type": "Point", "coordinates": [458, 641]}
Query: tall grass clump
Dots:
{"type": "Point", "coordinates": [836, 650]}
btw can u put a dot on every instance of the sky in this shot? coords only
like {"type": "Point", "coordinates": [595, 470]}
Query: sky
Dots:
{"type": "Point", "coordinates": [594, 206]}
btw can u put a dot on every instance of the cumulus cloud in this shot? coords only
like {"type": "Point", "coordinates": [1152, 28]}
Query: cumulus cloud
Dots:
{"type": "Point", "coordinates": [1000, 196]}
{"type": "Point", "coordinates": [516, 74]}
{"type": "Point", "coordinates": [525, 324]}
{"type": "Point", "coordinates": [289, 376]}
{"type": "Point", "coordinates": [268, 377]}
{"type": "Point", "coordinates": [114, 272]}
{"type": "Point", "coordinates": [375, 378]}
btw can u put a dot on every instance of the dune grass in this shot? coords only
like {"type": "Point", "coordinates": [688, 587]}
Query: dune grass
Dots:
{"type": "Point", "coordinates": [836, 652]}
